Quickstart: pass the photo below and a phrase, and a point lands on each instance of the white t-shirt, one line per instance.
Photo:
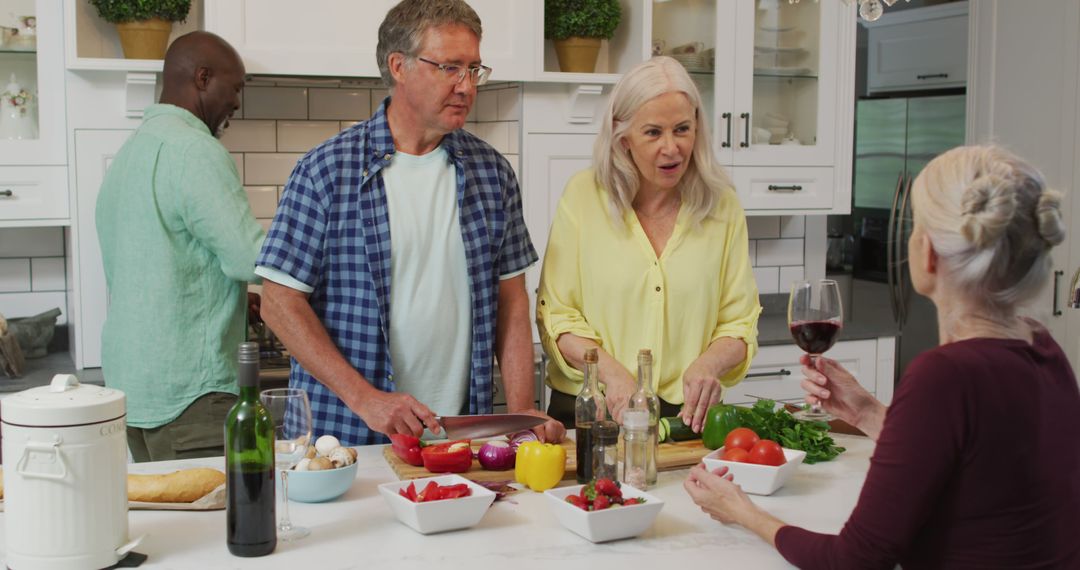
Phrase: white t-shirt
(430, 313)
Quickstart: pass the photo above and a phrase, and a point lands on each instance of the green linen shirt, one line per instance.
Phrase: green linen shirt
(178, 242)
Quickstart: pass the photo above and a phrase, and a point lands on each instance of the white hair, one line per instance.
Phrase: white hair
(992, 222)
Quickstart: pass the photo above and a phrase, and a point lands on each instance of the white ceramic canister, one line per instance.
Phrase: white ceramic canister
(65, 476)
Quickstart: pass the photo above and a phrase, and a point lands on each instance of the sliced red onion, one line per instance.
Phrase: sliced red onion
(521, 437)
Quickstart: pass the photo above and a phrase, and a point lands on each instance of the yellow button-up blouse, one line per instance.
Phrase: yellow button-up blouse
(605, 283)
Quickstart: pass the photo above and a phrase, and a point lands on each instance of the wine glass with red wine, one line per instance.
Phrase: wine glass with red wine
(815, 318)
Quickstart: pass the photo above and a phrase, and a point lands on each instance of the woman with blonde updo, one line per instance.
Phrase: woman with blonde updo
(977, 463)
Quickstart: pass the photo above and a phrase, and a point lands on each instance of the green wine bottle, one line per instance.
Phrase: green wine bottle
(249, 465)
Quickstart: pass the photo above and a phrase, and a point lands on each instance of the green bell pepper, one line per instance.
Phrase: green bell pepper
(719, 420)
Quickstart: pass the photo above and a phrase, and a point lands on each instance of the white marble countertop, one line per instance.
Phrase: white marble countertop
(358, 530)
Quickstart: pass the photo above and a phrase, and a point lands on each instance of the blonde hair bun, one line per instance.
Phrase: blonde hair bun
(1048, 217)
(988, 207)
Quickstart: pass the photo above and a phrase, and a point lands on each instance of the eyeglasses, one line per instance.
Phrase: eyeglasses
(456, 73)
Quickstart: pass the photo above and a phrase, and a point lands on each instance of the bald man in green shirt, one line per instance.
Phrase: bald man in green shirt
(178, 241)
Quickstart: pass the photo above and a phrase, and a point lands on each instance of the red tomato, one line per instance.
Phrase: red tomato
(736, 454)
(767, 452)
(743, 438)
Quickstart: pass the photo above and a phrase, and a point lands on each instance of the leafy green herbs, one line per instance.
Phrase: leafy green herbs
(779, 425)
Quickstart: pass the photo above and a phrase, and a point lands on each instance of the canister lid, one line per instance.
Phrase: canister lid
(64, 402)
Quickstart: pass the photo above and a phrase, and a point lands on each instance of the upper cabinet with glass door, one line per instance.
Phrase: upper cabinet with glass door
(787, 77)
(31, 83)
(777, 80)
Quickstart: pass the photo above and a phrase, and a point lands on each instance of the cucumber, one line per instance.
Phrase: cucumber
(664, 428)
(678, 431)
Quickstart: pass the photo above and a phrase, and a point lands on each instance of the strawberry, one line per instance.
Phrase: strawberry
(600, 503)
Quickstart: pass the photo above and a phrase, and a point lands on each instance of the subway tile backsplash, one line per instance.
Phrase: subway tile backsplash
(32, 274)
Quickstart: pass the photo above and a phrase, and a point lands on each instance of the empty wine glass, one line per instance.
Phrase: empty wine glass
(291, 412)
(815, 318)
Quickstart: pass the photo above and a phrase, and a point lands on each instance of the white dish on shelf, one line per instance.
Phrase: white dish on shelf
(785, 71)
(783, 50)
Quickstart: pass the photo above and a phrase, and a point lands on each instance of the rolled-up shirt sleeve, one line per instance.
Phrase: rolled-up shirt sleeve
(293, 247)
(559, 304)
(739, 306)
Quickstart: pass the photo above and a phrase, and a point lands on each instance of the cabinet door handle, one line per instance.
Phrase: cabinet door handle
(933, 76)
(1057, 278)
(7, 193)
(781, 372)
(746, 125)
(727, 141)
(784, 188)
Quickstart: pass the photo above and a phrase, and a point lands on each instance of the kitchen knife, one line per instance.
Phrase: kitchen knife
(486, 425)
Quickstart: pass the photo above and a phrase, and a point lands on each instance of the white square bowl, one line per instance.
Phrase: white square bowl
(609, 524)
(757, 479)
(442, 515)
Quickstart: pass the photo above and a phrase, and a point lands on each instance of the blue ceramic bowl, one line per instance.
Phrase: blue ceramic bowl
(320, 486)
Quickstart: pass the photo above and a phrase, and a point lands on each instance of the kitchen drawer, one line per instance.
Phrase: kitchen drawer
(776, 373)
(780, 188)
(31, 193)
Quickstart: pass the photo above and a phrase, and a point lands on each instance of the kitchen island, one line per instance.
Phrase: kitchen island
(358, 530)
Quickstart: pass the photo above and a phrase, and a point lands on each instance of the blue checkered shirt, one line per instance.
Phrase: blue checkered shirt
(332, 232)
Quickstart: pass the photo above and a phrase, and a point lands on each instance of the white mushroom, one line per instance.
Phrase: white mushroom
(341, 457)
(319, 464)
(303, 465)
(325, 444)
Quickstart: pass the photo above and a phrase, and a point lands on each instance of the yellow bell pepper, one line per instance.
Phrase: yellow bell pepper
(540, 466)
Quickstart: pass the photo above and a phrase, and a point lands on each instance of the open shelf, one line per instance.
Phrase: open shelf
(93, 44)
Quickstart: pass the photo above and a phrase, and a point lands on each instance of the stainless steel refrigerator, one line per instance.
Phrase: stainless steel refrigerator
(894, 140)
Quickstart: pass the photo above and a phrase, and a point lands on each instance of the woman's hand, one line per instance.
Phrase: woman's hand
(701, 389)
(617, 392)
(720, 498)
(717, 495)
(829, 384)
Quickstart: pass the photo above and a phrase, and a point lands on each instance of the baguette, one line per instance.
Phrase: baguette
(183, 486)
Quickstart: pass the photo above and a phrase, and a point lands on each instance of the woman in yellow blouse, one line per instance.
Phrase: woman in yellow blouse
(649, 250)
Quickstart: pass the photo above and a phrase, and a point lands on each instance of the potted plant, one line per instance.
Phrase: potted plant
(143, 25)
(576, 27)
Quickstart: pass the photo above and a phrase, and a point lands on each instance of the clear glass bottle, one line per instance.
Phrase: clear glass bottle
(605, 450)
(645, 400)
(589, 408)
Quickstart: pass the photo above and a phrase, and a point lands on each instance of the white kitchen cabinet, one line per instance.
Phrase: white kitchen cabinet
(34, 196)
(918, 49)
(338, 38)
(32, 133)
(550, 161)
(94, 151)
(777, 375)
(768, 72)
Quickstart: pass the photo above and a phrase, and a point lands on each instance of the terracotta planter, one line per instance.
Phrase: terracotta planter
(577, 55)
(145, 40)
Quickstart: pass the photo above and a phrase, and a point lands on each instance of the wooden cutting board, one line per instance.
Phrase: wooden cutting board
(678, 455)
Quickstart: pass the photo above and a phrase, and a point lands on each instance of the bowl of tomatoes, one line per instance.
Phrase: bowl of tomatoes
(604, 510)
(437, 504)
(759, 466)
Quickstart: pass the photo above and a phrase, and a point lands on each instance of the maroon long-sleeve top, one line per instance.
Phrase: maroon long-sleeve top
(977, 466)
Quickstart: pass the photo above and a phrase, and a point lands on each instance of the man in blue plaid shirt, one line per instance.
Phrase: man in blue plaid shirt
(394, 268)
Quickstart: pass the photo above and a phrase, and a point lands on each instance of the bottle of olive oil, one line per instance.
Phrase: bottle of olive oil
(249, 465)
(589, 408)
